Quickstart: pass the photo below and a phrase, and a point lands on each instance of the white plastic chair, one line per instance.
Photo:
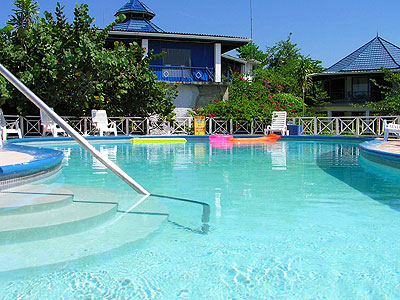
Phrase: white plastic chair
(6, 128)
(49, 125)
(389, 128)
(100, 121)
(278, 123)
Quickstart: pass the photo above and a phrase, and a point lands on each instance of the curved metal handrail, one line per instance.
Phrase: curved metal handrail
(74, 134)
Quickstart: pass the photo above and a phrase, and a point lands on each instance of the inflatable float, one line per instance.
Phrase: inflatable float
(220, 141)
(158, 140)
(269, 138)
(220, 137)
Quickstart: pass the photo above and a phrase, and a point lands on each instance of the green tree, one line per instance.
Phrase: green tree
(305, 68)
(24, 14)
(251, 51)
(390, 105)
(70, 67)
(284, 63)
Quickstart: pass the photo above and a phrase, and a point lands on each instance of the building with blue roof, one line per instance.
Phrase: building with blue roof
(196, 61)
(349, 82)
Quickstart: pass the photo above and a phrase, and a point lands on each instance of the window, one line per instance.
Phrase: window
(360, 88)
(337, 89)
(177, 57)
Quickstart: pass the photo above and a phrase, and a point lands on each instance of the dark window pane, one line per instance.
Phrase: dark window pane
(177, 57)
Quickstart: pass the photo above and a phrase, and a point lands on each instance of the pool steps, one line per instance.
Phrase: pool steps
(33, 200)
(53, 227)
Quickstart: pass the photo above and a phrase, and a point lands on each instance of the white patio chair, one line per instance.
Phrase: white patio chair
(100, 121)
(6, 128)
(49, 126)
(278, 123)
(389, 128)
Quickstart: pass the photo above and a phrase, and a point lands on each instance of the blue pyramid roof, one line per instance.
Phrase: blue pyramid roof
(138, 18)
(136, 6)
(142, 25)
(375, 55)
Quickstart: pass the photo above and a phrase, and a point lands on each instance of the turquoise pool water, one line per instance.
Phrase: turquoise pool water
(289, 220)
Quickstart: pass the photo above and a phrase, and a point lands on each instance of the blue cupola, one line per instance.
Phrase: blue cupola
(138, 18)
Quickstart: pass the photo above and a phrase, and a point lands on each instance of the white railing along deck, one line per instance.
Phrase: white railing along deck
(335, 126)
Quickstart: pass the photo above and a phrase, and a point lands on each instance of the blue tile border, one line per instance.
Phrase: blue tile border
(44, 161)
(369, 151)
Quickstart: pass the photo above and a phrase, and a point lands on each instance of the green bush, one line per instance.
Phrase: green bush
(252, 99)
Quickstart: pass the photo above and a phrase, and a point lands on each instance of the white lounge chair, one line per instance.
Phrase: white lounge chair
(49, 126)
(278, 123)
(100, 121)
(389, 128)
(6, 128)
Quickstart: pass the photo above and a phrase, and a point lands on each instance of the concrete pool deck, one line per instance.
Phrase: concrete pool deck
(392, 147)
(8, 158)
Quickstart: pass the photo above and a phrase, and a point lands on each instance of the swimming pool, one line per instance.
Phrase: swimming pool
(289, 220)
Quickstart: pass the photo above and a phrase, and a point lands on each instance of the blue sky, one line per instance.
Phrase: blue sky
(325, 30)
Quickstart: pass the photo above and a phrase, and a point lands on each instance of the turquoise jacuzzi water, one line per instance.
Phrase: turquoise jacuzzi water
(289, 220)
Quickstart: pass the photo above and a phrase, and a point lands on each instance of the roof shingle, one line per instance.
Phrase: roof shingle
(375, 55)
(135, 6)
(142, 25)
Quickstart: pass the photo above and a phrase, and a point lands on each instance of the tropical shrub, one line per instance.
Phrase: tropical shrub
(390, 105)
(70, 66)
(252, 99)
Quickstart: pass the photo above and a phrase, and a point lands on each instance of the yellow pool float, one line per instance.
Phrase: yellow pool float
(158, 140)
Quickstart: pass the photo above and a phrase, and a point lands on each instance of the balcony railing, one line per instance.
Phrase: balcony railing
(354, 98)
(189, 74)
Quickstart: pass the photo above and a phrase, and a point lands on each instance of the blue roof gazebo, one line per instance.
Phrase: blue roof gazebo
(138, 18)
(373, 56)
(349, 80)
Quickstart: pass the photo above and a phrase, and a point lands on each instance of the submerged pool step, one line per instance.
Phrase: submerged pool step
(92, 244)
(47, 224)
(25, 201)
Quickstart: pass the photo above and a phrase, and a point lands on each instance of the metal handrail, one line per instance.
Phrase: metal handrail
(74, 134)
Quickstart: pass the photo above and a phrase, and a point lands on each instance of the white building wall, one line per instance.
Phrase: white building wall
(186, 99)
(145, 46)
(217, 62)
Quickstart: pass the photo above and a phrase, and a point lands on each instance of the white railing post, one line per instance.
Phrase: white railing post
(315, 126)
(337, 125)
(21, 125)
(85, 126)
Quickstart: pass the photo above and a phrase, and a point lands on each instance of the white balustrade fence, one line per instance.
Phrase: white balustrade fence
(336, 126)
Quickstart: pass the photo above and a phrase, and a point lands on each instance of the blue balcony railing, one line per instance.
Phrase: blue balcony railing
(174, 73)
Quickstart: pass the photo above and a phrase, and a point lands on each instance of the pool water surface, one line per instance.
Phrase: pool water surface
(289, 220)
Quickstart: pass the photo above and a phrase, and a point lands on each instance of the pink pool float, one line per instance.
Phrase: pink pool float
(220, 141)
(220, 137)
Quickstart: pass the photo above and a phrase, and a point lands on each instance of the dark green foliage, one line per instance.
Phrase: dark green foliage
(69, 67)
(284, 63)
(251, 51)
(24, 14)
(390, 106)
